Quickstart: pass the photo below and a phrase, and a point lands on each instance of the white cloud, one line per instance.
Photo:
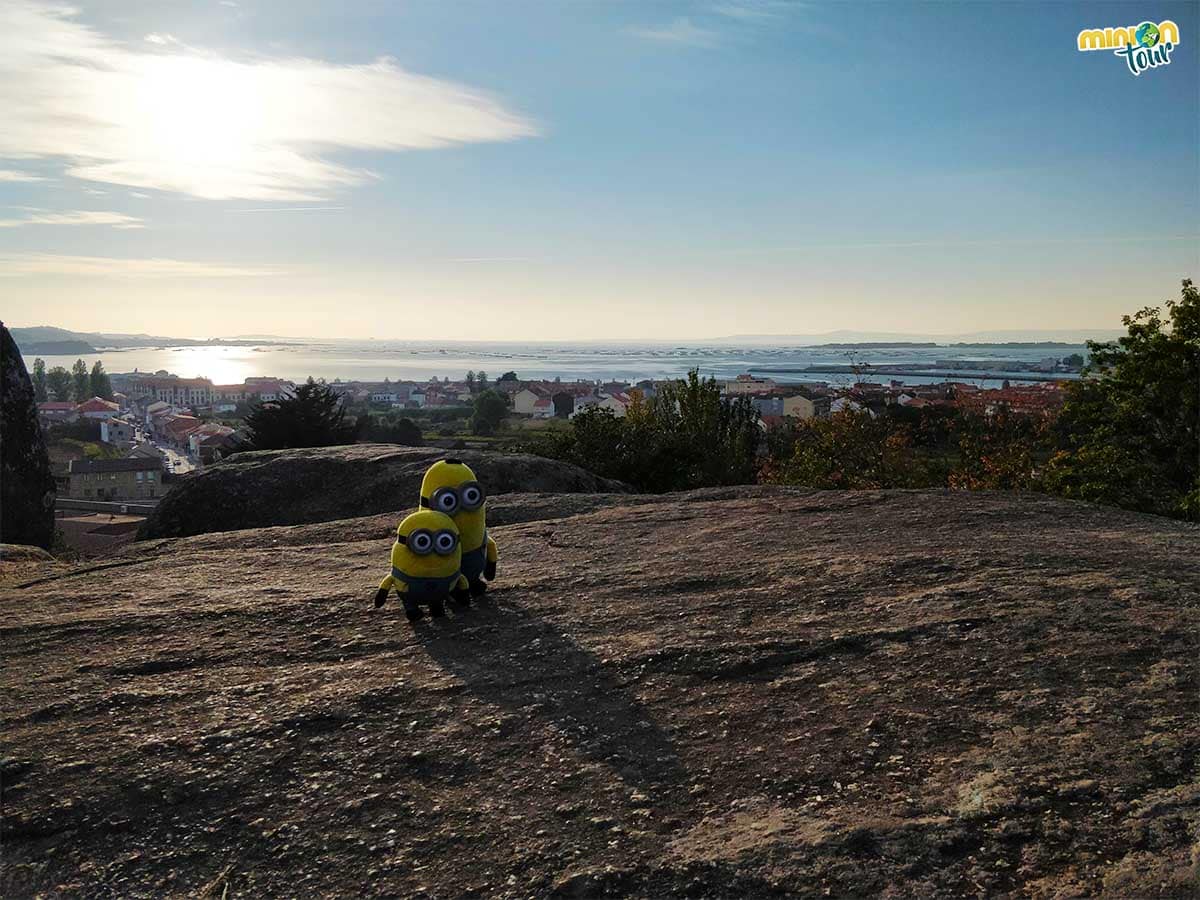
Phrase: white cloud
(175, 119)
(12, 265)
(161, 39)
(754, 10)
(74, 217)
(14, 175)
(682, 32)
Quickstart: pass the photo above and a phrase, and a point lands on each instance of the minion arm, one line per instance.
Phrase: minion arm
(489, 569)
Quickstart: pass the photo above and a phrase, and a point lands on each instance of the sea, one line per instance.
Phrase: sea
(422, 360)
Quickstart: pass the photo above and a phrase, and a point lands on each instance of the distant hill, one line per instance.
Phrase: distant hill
(54, 348)
(40, 338)
(1062, 336)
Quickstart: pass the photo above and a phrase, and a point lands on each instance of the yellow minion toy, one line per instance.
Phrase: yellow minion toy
(425, 564)
(450, 488)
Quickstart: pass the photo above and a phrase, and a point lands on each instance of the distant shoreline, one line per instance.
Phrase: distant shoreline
(917, 371)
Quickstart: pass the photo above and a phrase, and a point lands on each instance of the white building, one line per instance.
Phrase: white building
(118, 432)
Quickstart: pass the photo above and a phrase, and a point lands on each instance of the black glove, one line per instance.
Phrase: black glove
(489, 570)
(380, 597)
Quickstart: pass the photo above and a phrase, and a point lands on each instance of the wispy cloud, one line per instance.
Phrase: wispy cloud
(175, 119)
(270, 209)
(73, 217)
(15, 175)
(161, 39)
(682, 32)
(14, 265)
(754, 10)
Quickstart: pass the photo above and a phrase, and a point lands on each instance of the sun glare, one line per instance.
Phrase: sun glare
(200, 117)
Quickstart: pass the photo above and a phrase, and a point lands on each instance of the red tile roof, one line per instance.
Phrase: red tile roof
(96, 405)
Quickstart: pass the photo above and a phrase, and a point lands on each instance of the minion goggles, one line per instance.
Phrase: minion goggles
(422, 542)
(449, 500)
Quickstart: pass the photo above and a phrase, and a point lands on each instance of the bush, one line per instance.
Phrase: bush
(386, 430)
(490, 410)
(1129, 433)
(850, 449)
(687, 437)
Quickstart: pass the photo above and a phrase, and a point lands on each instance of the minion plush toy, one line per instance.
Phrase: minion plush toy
(425, 564)
(450, 488)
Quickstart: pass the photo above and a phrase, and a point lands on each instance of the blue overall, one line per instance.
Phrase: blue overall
(474, 561)
(425, 588)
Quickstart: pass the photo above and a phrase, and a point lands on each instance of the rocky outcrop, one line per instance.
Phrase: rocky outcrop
(770, 693)
(27, 488)
(288, 487)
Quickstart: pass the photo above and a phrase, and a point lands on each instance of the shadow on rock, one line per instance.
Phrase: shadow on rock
(521, 662)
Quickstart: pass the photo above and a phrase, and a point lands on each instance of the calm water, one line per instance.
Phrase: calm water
(376, 360)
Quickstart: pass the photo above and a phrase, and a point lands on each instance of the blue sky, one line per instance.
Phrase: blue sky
(541, 170)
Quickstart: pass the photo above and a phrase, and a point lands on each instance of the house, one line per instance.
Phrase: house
(770, 405)
(172, 390)
(212, 446)
(177, 428)
(114, 479)
(844, 404)
(388, 397)
(799, 406)
(748, 384)
(524, 401)
(96, 408)
(55, 411)
(615, 403)
(120, 432)
(266, 390)
(199, 436)
(157, 408)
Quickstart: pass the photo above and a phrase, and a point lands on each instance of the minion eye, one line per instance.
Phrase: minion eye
(420, 542)
(447, 501)
(444, 542)
(472, 496)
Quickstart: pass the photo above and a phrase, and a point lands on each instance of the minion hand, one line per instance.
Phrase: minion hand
(380, 597)
(489, 570)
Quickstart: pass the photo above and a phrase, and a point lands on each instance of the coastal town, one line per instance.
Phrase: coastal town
(121, 455)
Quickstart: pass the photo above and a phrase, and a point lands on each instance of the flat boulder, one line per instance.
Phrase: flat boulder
(293, 487)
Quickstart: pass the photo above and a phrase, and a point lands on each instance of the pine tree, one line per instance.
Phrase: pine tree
(58, 384)
(81, 383)
(312, 417)
(99, 382)
(39, 380)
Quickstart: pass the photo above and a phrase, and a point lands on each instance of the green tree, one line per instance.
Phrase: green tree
(81, 383)
(58, 384)
(490, 410)
(39, 381)
(312, 417)
(1129, 432)
(99, 383)
(390, 431)
(851, 449)
(471, 381)
(688, 436)
(508, 376)
(481, 381)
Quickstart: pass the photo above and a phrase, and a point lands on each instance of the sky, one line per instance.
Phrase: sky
(424, 169)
